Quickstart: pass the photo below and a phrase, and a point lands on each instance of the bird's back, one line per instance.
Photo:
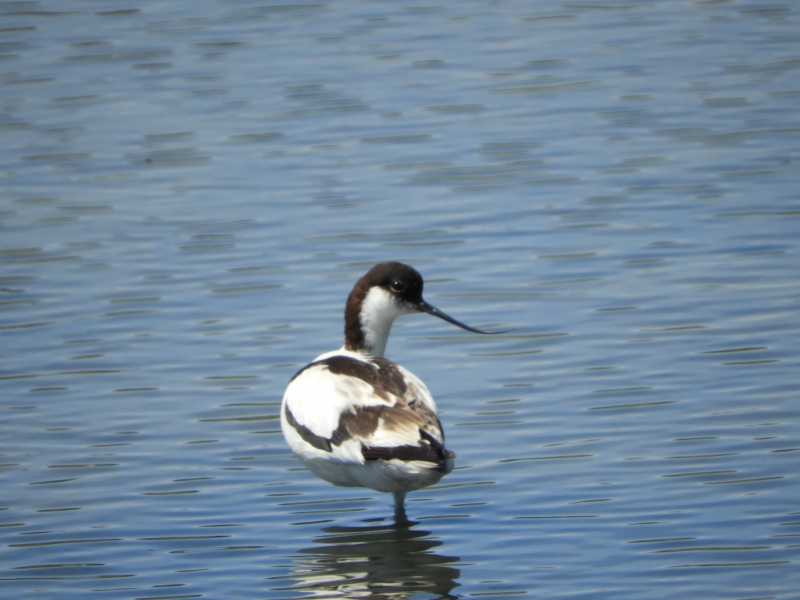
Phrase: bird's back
(361, 420)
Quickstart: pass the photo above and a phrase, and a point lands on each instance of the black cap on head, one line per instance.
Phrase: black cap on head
(402, 281)
(405, 283)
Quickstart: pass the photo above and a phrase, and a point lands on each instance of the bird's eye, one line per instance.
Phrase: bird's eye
(396, 286)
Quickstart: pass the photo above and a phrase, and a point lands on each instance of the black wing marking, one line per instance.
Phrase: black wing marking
(309, 436)
(433, 451)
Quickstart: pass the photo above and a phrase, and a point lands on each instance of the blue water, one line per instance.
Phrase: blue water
(189, 191)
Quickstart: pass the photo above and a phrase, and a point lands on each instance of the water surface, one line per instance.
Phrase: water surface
(190, 191)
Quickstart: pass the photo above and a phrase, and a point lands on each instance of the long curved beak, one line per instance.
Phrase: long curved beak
(432, 310)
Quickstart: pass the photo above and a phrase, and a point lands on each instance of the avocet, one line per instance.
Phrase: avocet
(355, 418)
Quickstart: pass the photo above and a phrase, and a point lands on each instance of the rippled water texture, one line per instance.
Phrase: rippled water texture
(190, 189)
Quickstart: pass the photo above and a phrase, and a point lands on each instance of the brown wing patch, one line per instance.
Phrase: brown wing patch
(363, 422)
(381, 373)
(429, 419)
(428, 447)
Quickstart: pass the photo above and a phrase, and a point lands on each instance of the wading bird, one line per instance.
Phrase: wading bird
(354, 418)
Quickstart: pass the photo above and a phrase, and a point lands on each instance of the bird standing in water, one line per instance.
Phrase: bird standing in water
(354, 418)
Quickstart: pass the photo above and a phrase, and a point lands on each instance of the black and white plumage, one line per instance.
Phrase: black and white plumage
(354, 418)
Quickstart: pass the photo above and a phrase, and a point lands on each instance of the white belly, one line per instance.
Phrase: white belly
(379, 475)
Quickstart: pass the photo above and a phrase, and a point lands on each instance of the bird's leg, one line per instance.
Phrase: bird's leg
(399, 508)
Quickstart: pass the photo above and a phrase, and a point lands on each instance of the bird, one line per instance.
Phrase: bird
(355, 418)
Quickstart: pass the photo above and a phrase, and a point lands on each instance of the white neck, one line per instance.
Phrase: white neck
(378, 311)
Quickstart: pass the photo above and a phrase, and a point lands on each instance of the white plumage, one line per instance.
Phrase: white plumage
(354, 418)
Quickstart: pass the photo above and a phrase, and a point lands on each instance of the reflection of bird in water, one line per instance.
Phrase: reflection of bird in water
(381, 563)
(355, 418)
